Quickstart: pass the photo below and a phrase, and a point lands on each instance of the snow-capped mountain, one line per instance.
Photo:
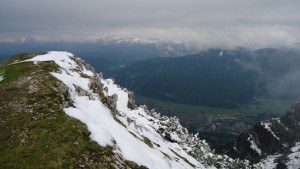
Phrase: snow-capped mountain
(272, 143)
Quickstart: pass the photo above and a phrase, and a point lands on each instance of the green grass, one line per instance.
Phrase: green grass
(266, 106)
(15, 70)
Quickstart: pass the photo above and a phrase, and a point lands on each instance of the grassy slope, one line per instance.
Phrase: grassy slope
(35, 132)
(267, 106)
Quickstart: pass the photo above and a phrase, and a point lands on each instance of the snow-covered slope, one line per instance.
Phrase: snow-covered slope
(135, 133)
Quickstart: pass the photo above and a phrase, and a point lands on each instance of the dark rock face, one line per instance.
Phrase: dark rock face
(267, 137)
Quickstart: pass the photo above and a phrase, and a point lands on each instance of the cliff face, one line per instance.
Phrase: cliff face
(274, 142)
(56, 111)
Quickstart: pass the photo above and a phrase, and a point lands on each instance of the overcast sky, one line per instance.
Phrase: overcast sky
(196, 23)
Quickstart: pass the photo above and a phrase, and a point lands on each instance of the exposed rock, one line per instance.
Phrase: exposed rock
(131, 101)
(95, 83)
(105, 89)
(80, 91)
(81, 65)
(33, 87)
(62, 87)
(112, 101)
(64, 91)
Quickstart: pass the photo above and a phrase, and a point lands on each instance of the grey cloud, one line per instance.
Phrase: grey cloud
(197, 23)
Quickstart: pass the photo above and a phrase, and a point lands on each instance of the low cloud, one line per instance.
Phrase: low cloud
(286, 86)
(195, 23)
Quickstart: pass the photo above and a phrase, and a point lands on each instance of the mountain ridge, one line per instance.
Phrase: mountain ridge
(108, 111)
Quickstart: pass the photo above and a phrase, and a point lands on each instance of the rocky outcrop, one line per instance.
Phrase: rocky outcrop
(82, 65)
(131, 101)
(112, 102)
(64, 94)
(275, 136)
(95, 83)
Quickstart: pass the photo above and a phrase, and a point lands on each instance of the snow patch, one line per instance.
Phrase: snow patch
(253, 144)
(296, 147)
(294, 158)
(1, 78)
(293, 161)
(221, 53)
(63, 59)
(267, 126)
(269, 162)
